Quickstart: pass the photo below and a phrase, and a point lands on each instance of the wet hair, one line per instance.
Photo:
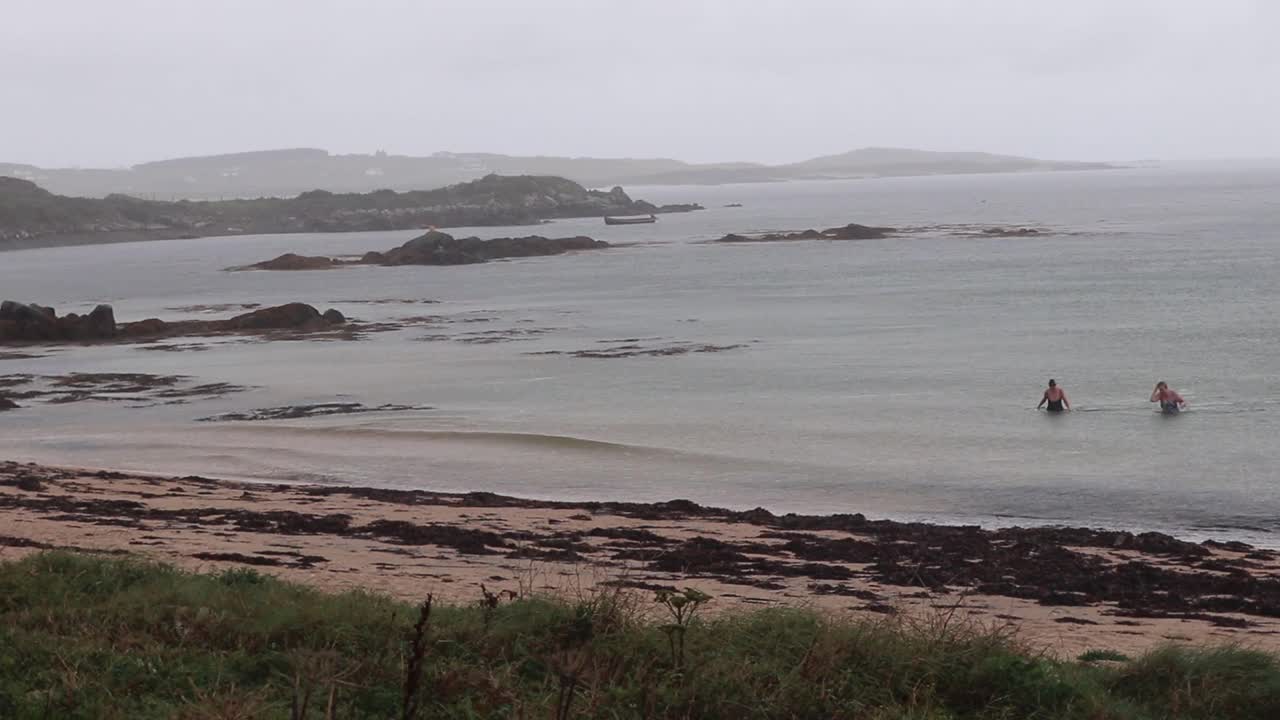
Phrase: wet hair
(1162, 384)
(1052, 382)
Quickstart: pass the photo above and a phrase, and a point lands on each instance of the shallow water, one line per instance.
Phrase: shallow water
(892, 377)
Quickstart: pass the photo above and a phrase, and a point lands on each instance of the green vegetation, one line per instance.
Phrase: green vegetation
(1103, 656)
(87, 637)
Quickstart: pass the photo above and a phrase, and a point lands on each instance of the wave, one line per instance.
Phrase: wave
(488, 437)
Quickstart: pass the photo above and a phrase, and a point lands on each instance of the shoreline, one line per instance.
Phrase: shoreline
(1064, 589)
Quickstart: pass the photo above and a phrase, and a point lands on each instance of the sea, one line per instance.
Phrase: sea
(897, 378)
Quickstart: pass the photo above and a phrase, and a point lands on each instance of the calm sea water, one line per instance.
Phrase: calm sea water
(893, 377)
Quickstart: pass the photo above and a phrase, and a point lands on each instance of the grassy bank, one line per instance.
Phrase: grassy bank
(87, 637)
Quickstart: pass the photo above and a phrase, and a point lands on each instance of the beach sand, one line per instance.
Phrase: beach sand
(1061, 590)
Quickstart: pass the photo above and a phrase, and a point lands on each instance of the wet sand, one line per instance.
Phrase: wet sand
(1063, 590)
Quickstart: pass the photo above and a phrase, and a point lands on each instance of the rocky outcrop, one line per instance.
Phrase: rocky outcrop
(101, 322)
(294, 261)
(30, 323)
(437, 248)
(31, 216)
(677, 208)
(852, 231)
(1011, 232)
(292, 315)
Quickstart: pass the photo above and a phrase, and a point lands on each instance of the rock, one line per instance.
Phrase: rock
(101, 322)
(70, 327)
(31, 323)
(1011, 232)
(145, 328)
(852, 231)
(36, 323)
(7, 404)
(294, 261)
(433, 248)
(292, 315)
(437, 248)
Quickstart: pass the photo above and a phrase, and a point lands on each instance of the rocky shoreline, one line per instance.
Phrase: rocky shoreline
(1069, 588)
(35, 217)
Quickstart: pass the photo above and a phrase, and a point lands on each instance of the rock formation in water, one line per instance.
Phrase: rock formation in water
(437, 248)
(1011, 232)
(31, 216)
(294, 261)
(20, 321)
(31, 323)
(852, 231)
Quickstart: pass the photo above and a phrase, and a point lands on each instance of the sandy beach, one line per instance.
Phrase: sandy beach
(1062, 590)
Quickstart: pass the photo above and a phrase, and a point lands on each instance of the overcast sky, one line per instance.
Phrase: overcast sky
(116, 82)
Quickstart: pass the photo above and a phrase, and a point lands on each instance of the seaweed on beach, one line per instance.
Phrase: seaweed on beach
(293, 412)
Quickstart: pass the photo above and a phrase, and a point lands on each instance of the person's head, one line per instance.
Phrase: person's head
(1162, 385)
(1053, 383)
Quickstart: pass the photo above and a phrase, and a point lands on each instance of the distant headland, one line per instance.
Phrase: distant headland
(31, 216)
(285, 173)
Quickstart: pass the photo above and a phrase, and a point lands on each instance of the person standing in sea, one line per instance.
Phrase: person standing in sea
(1055, 398)
(1170, 401)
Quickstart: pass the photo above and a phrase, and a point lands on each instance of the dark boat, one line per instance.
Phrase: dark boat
(630, 220)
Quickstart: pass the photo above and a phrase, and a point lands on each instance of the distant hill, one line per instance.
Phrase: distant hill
(289, 172)
(31, 216)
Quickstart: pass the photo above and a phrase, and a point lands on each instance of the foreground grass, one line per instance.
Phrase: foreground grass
(86, 637)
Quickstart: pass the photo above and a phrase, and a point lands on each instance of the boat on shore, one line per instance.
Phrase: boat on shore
(630, 219)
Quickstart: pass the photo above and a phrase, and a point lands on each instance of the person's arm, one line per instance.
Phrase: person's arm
(1178, 399)
(1155, 395)
(1044, 399)
(1065, 402)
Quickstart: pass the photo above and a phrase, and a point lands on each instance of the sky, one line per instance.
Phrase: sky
(92, 83)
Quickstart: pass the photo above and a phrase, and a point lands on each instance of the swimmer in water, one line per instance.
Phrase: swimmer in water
(1170, 401)
(1055, 398)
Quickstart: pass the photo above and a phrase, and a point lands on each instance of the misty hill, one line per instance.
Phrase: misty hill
(32, 216)
(289, 172)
